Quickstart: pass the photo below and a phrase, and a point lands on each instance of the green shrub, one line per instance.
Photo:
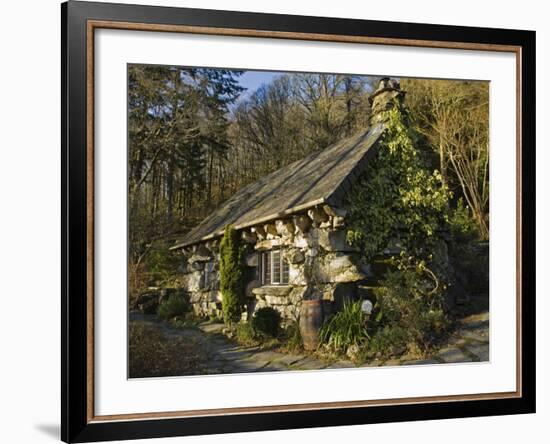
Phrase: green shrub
(214, 319)
(293, 337)
(462, 224)
(174, 306)
(161, 263)
(409, 309)
(148, 303)
(188, 320)
(231, 275)
(244, 333)
(150, 265)
(345, 328)
(266, 322)
(388, 342)
(471, 264)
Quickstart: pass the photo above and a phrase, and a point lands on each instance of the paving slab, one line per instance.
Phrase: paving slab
(475, 325)
(212, 327)
(421, 362)
(483, 316)
(453, 355)
(375, 363)
(290, 359)
(342, 364)
(234, 354)
(457, 342)
(246, 366)
(213, 371)
(274, 367)
(475, 335)
(481, 351)
(268, 355)
(309, 363)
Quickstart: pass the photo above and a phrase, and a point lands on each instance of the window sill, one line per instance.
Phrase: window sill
(273, 290)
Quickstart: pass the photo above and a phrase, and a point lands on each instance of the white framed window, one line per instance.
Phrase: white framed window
(273, 268)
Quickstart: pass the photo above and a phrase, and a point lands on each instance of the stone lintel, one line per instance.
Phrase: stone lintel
(267, 244)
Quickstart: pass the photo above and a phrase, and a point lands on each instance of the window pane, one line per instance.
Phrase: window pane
(208, 266)
(284, 277)
(276, 267)
(267, 268)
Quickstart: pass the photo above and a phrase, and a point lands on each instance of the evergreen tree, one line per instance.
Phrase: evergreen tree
(232, 275)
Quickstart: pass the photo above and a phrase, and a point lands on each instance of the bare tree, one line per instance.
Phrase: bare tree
(454, 118)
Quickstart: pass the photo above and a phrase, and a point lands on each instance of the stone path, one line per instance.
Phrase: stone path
(226, 356)
(468, 343)
(229, 357)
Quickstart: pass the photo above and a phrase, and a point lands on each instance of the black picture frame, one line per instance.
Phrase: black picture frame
(76, 423)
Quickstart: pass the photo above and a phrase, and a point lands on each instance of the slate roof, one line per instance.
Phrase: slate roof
(322, 177)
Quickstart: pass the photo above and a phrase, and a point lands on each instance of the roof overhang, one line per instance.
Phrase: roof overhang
(262, 220)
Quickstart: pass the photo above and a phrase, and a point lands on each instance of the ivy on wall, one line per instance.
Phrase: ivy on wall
(397, 197)
(399, 202)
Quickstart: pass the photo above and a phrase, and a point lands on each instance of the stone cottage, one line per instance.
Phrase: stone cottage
(293, 223)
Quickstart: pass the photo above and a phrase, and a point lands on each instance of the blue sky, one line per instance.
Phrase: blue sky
(252, 80)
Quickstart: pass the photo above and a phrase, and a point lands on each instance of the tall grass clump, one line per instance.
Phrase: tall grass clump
(293, 337)
(346, 328)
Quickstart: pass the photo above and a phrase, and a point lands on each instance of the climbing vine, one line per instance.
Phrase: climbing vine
(398, 202)
(397, 198)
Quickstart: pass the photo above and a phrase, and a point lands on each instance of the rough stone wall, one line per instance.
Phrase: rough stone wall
(321, 265)
(200, 278)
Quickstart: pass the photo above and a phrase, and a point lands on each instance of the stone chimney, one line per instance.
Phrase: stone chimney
(385, 97)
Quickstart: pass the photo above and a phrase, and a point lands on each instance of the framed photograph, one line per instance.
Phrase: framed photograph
(275, 221)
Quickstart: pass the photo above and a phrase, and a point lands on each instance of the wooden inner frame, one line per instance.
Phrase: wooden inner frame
(92, 25)
(266, 262)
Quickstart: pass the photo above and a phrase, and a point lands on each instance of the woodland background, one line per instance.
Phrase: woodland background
(196, 136)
